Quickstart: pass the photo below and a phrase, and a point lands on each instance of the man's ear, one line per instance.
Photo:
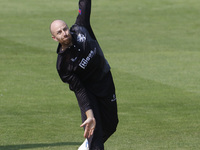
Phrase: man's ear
(54, 38)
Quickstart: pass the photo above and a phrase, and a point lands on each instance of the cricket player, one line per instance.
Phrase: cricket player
(82, 65)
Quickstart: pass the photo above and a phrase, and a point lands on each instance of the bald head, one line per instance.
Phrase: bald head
(60, 33)
(55, 25)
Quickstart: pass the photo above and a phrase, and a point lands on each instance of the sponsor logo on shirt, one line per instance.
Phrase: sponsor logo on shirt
(84, 62)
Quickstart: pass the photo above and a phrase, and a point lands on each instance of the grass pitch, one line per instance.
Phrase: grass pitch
(153, 49)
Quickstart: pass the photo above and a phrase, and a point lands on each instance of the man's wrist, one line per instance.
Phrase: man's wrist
(89, 113)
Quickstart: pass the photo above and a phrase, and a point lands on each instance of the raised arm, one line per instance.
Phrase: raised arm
(83, 17)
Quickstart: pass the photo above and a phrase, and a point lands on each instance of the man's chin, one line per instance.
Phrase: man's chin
(67, 42)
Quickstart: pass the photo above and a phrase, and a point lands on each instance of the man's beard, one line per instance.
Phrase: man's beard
(67, 41)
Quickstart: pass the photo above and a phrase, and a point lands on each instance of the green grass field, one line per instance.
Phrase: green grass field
(153, 49)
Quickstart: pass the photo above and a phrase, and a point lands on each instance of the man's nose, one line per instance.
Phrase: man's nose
(64, 33)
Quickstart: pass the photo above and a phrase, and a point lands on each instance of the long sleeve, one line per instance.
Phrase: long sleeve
(83, 18)
(74, 85)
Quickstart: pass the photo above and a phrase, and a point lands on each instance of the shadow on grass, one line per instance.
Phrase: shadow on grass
(40, 145)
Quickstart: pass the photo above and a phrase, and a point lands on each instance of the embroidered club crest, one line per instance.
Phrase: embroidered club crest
(81, 38)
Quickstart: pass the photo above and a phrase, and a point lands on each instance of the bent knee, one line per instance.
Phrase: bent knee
(113, 126)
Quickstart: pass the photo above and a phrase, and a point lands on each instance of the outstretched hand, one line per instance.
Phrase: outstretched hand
(89, 123)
